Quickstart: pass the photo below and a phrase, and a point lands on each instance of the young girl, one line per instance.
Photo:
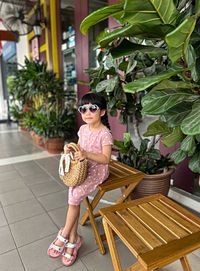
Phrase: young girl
(95, 141)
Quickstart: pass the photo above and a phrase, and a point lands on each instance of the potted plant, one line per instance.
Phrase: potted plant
(149, 160)
(52, 114)
(157, 53)
(56, 129)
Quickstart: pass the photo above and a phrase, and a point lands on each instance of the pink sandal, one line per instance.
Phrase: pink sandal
(68, 259)
(55, 251)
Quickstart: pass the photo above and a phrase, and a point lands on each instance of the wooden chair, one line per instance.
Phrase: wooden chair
(155, 229)
(121, 176)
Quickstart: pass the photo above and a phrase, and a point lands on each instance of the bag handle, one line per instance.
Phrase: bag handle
(73, 146)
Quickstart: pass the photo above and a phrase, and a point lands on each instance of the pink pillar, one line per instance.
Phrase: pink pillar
(116, 128)
(82, 49)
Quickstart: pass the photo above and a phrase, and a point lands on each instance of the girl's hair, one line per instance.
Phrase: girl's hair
(95, 98)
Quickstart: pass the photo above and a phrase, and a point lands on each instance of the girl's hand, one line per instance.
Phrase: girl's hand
(80, 155)
(66, 149)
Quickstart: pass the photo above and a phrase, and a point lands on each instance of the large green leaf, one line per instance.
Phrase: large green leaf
(191, 124)
(168, 84)
(99, 15)
(143, 83)
(158, 127)
(191, 62)
(188, 144)
(175, 115)
(178, 156)
(178, 39)
(126, 139)
(197, 6)
(107, 85)
(127, 48)
(194, 163)
(158, 102)
(175, 137)
(150, 11)
(143, 31)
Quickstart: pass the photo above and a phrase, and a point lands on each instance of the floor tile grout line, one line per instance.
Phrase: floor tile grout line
(17, 221)
(14, 241)
(45, 170)
(45, 211)
(44, 237)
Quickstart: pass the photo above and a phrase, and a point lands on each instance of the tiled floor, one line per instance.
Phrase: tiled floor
(33, 205)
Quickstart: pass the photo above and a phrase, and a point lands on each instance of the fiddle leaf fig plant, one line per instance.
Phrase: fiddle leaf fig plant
(151, 66)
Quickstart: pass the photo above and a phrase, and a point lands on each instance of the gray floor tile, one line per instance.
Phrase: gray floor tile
(59, 216)
(32, 229)
(6, 168)
(16, 152)
(98, 262)
(50, 164)
(10, 185)
(77, 266)
(9, 175)
(22, 210)
(3, 221)
(194, 262)
(35, 258)
(42, 177)
(10, 261)
(16, 196)
(28, 168)
(197, 252)
(55, 200)
(6, 240)
(45, 188)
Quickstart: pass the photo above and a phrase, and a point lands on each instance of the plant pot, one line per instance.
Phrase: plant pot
(39, 140)
(153, 184)
(55, 145)
(196, 185)
(22, 128)
(32, 133)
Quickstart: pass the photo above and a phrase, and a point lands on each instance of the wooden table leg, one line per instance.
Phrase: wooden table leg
(185, 264)
(93, 204)
(95, 228)
(112, 247)
(126, 193)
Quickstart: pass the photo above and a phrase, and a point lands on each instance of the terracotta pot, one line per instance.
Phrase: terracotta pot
(153, 184)
(22, 128)
(55, 145)
(32, 133)
(40, 140)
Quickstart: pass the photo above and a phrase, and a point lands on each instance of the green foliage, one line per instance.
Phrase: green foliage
(154, 56)
(145, 159)
(51, 113)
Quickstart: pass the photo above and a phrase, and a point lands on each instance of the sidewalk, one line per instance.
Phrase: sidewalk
(33, 205)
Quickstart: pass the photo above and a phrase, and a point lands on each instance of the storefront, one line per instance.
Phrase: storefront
(8, 67)
(67, 51)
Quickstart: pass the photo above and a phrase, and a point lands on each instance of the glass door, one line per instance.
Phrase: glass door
(68, 48)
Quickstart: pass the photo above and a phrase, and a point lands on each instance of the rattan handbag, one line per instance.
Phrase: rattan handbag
(72, 172)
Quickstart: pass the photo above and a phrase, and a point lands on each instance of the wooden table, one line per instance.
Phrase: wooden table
(155, 229)
(121, 176)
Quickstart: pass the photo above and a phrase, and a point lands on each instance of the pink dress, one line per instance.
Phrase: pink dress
(91, 141)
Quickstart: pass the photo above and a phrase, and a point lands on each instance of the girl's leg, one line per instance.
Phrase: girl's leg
(73, 237)
(71, 219)
(71, 223)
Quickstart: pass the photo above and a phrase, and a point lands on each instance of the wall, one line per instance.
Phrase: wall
(22, 49)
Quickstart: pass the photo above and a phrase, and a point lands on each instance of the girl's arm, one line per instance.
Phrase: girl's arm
(103, 158)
